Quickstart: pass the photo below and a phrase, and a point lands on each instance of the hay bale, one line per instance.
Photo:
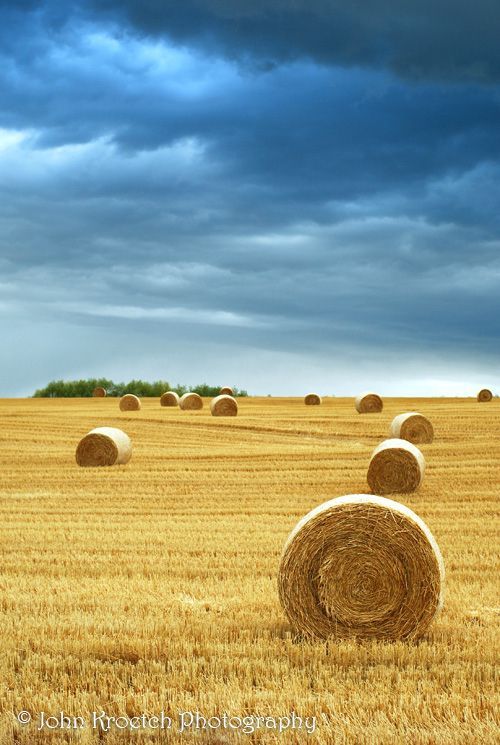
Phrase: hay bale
(368, 403)
(99, 392)
(395, 466)
(361, 566)
(169, 398)
(413, 427)
(104, 446)
(226, 391)
(191, 402)
(484, 395)
(312, 399)
(224, 405)
(129, 402)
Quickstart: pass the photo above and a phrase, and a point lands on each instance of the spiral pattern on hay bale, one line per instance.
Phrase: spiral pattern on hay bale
(226, 391)
(361, 566)
(368, 403)
(129, 402)
(191, 402)
(99, 392)
(484, 395)
(169, 398)
(312, 399)
(396, 466)
(104, 446)
(224, 405)
(413, 427)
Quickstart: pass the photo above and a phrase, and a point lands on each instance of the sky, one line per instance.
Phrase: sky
(279, 195)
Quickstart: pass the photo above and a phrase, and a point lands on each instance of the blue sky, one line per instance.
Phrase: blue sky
(284, 196)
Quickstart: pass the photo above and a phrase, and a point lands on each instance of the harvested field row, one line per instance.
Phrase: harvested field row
(154, 585)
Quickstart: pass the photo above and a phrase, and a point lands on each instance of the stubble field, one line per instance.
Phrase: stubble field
(152, 586)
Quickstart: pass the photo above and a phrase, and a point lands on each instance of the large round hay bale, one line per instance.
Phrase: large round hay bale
(129, 402)
(224, 405)
(361, 566)
(104, 446)
(484, 395)
(191, 402)
(396, 466)
(169, 398)
(226, 391)
(99, 392)
(413, 427)
(368, 403)
(312, 399)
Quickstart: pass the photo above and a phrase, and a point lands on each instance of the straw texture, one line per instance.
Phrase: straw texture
(413, 427)
(224, 405)
(368, 403)
(484, 395)
(361, 566)
(129, 402)
(99, 392)
(169, 398)
(312, 399)
(190, 402)
(104, 446)
(396, 466)
(226, 390)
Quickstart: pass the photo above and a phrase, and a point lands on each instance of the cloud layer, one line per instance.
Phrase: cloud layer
(309, 190)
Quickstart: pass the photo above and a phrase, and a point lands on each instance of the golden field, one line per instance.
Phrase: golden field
(152, 586)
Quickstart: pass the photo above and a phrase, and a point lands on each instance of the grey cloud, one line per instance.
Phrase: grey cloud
(449, 39)
(445, 40)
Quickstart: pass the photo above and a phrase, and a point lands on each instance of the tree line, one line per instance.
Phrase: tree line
(85, 388)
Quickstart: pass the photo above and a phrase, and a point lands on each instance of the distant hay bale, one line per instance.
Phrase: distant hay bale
(368, 403)
(104, 446)
(484, 395)
(191, 402)
(361, 566)
(99, 392)
(312, 399)
(129, 402)
(413, 427)
(170, 398)
(226, 391)
(224, 405)
(395, 466)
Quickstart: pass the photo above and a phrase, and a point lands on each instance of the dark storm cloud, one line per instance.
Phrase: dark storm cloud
(446, 39)
(294, 139)
(441, 39)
